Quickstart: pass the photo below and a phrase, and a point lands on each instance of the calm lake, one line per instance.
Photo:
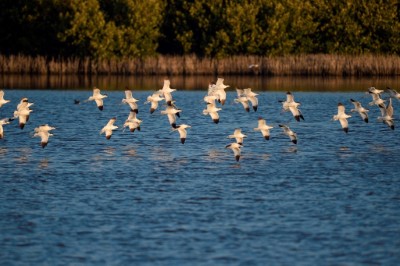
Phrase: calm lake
(143, 198)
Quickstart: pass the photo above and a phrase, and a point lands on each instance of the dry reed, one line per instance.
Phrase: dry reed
(296, 65)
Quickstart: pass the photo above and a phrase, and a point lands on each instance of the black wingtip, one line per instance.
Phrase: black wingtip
(294, 141)
(152, 110)
(266, 137)
(255, 108)
(366, 120)
(135, 111)
(101, 108)
(178, 115)
(297, 117)
(183, 140)
(108, 137)
(43, 144)
(237, 157)
(173, 125)
(302, 117)
(392, 127)
(346, 129)
(21, 125)
(132, 130)
(216, 121)
(247, 109)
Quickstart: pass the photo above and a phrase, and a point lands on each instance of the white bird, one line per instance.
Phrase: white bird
(2, 100)
(43, 132)
(108, 129)
(24, 103)
(342, 117)
(290, 133)
(264, 128)
(154, 99)
(212, 110)
(377, 100)
(235, 147)
(171, 111)
(288, 102)
(220, 84)
(393, 93)
(23, 112)
(98, 98)
(219, 90)
(3, 121)
(359, 109)
(292, 106)
(241, 98)
(166, 92)
(373, 90)
(238, 135)
(210, 98)
(44, 127)
(387, 114)
(130, 101)
(252, 97)
(44, 135)
(132, 122)
(182, 131)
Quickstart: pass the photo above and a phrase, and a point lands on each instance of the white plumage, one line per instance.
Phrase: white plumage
(290, 133)
(342, 117)
(3, 122)
(263, 128)
(43, 132)
(212, 110)
(132, 122)
(132, 102)
(153, 100)
(98, 98)
(238, 136)
(182, 132)
(171, 112)
(236, 148)
(361, 110)
(2, 100)
(387, 114)
(109, 127)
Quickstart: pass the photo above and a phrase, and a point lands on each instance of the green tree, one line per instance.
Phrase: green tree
(112, 29)
(136, 25)
(87, 30)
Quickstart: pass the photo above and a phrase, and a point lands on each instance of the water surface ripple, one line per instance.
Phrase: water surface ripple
(143, 198)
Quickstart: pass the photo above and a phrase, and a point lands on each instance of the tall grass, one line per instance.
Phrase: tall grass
(298, 65)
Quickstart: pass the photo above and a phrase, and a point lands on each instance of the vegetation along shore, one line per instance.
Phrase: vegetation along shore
(296, 65)
(297, 37)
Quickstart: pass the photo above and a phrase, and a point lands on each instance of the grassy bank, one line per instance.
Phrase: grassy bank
(296, 65)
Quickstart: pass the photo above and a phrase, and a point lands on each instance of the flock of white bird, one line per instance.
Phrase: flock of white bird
(215, 99)
(22, 113)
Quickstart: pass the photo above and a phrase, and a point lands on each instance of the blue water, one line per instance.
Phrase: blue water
(143, 198)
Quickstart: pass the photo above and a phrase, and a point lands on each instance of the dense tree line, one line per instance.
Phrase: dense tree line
(102, 29)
